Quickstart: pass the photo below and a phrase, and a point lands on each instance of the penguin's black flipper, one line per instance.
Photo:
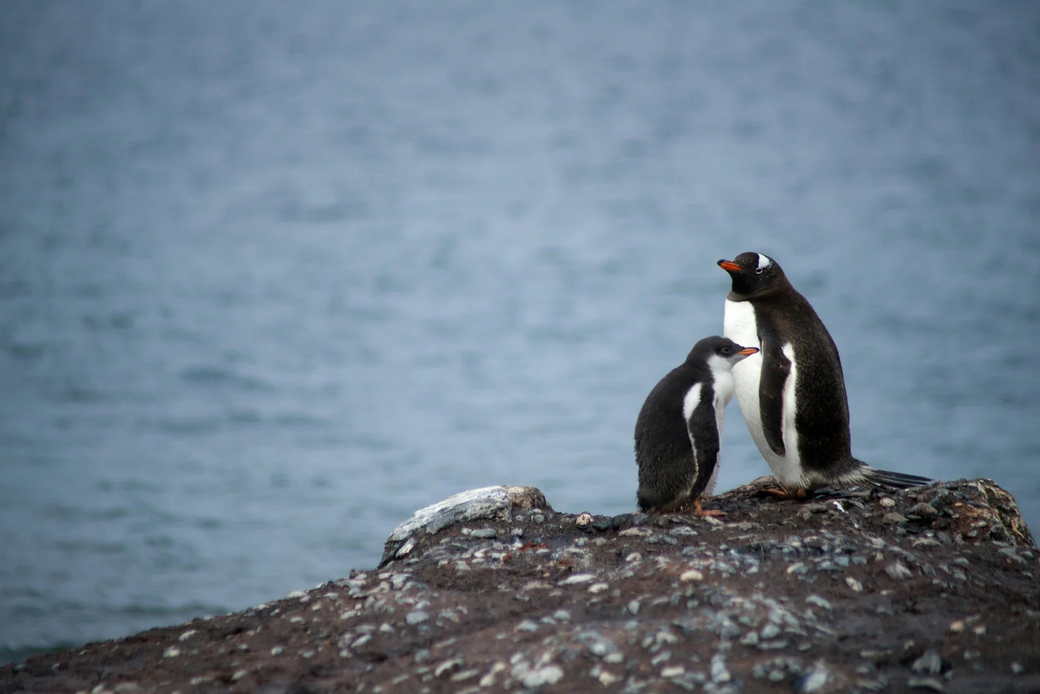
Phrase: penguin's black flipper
(776, 368)
(896, 480)
(704, 435)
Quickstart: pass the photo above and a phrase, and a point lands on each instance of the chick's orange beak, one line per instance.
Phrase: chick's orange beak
(729, 266)
(748, 351)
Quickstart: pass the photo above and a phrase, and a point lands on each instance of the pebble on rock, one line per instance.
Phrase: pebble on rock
(448, 667)
(416, 617)
(923, 510)
(818, 601)
(488, 680)
(929, 683)
(543, 676)
(898, 571)
(719, 673)
(928, 664)
(814, 681)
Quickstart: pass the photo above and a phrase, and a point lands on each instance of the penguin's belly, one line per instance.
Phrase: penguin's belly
(740, 326)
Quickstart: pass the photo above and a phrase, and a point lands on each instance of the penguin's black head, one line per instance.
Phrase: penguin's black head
(753, 274)
(715, 350)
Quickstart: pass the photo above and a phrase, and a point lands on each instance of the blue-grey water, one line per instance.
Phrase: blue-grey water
(273, 275)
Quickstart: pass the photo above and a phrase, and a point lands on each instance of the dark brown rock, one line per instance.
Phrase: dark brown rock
(781, 595)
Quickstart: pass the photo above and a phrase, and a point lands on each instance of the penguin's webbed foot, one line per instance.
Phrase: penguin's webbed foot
(701, 512)
(784, 493)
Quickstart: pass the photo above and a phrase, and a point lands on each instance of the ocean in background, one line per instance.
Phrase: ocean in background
(274, 275)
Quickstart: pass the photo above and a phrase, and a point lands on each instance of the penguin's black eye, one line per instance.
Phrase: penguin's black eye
(759, 270)
(727, 351)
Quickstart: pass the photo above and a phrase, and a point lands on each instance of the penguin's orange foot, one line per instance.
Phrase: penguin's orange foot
(701, 512)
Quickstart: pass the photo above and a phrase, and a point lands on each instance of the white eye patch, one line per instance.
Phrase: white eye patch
(763, 262)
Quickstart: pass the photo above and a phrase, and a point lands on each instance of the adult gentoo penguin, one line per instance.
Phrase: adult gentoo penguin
(792, 393)
(678, 428)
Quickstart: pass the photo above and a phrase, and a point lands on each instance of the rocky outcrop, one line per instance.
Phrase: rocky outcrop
(930, 589)
(486, 503)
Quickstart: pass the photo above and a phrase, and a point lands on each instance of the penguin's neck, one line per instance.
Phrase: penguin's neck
(722, 378)
(740, 323)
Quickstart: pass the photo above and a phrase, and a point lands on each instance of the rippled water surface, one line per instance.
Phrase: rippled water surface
(273, 276)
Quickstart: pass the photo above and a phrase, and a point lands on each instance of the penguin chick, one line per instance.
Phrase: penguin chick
(678, 429)
(792, 393)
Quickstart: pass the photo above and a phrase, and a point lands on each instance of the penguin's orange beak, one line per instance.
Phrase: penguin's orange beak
(748, 351)
(729, 266)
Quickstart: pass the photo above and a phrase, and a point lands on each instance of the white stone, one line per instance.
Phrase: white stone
(543, 676)
(719, 673)
(483, 503)
(635, 532)
(818, 601)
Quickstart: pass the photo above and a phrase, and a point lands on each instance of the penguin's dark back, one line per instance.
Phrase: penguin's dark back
(823, 409)
(660, 427)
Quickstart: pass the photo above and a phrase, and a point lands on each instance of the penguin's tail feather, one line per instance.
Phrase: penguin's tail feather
(895, 480)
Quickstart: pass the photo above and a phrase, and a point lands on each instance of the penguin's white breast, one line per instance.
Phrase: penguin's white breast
(740, 326)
